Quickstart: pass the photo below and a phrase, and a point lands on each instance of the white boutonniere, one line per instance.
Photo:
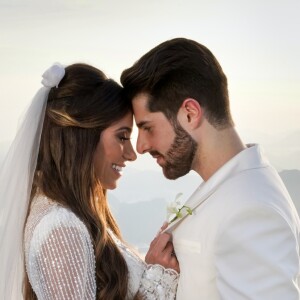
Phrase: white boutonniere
(175, 210)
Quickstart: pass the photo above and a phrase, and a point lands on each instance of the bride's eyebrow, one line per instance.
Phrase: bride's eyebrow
(125, 128)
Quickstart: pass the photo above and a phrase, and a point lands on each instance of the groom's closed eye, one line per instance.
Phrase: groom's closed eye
(144, 125)
(146, 128)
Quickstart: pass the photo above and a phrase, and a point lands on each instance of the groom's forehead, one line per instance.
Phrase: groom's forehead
(142, 115)
(140, 104)
(141, 98)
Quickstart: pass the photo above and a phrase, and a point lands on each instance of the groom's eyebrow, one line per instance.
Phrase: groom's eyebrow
(142, 124)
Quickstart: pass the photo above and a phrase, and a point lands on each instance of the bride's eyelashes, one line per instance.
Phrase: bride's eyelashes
(123, 137)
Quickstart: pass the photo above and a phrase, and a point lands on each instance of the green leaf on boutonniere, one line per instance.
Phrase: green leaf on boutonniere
(176, 211)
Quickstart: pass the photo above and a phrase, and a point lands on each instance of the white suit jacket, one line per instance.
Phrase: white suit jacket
(242, 242)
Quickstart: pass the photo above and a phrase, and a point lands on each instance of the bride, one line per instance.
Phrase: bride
(58, 235)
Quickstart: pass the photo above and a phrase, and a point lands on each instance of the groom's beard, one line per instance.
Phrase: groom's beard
(180, 156)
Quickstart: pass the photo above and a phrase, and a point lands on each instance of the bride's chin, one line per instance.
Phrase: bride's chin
(111, 186)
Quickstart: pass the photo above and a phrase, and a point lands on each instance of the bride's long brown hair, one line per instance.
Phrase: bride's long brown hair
(83, 105)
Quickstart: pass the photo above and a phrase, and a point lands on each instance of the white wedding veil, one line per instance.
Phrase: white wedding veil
(16, 176)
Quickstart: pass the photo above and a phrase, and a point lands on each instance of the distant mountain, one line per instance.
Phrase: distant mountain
(140, 221)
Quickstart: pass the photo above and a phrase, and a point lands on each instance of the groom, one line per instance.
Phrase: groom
(242, 239)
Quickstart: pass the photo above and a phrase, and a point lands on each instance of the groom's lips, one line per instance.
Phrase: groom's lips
(159, 158)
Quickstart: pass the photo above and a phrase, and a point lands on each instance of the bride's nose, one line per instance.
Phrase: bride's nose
(129, 153)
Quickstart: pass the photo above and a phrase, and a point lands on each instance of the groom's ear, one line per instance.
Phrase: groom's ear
(190, 114)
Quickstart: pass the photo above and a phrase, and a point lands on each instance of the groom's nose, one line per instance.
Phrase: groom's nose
(142, 144)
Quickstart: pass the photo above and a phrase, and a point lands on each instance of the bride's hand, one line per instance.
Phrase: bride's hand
(162, 228)
(161, 252)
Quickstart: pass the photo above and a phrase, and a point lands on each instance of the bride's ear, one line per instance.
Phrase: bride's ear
(190, 114)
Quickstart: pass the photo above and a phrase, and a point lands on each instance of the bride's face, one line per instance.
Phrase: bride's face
(113, 150)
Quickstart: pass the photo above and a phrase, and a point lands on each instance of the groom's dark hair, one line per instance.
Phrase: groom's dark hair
(178, 69)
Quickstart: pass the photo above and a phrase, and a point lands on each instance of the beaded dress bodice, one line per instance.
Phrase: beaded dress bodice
(60, 260)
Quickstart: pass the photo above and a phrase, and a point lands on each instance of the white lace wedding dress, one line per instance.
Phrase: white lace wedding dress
(60, 260)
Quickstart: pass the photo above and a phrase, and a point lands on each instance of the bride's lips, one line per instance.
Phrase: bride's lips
(117, 168)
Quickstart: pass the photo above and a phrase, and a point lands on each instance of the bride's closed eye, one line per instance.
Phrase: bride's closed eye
(124, 137)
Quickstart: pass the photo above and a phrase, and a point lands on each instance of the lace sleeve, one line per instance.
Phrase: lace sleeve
(61, 259)
(158, 283)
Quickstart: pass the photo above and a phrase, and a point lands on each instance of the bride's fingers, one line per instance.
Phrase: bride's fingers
(161, 252)
(174, 264)
(168, 257)
(171, 261)
(162, 228)
(156, 248)
(169, 249)
(162, 241)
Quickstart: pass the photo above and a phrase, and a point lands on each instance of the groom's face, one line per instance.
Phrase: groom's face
(171, 146)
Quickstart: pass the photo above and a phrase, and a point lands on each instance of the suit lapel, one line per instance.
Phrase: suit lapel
(201, 194)
(246, 159)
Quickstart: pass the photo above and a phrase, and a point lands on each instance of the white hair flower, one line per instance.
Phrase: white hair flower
(53, 75)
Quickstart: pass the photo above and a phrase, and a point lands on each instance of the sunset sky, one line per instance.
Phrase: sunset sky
(256, 42)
